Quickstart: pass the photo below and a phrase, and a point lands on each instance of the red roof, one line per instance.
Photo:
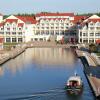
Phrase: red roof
(98, 41)
(53, 18)
(27, 19)
(94, 20)
(20, 24)
(79, 19)
(11, 20)
(1, 24)
(54, 14)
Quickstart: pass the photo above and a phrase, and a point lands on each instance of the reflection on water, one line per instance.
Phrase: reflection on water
(53, 56)
(39, 55)
(38, 70)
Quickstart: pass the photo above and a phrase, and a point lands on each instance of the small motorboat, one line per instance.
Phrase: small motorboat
(74, 84)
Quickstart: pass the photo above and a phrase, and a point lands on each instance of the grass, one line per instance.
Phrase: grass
(98, 54)
(8, 46)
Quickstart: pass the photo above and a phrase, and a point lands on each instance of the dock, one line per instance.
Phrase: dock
(5, 56)
(91, 70)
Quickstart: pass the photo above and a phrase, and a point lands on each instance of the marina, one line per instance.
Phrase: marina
(41, 73)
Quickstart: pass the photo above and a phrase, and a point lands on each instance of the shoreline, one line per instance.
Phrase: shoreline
(90, 64)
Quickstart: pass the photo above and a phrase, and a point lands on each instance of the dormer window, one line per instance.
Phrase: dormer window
(61, 21)
(14, 28)
(8, 28)
(19, 28)
(1, 28)
(7, 24)
(91, 24)
(67, 23)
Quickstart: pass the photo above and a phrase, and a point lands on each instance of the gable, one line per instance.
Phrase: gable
(12, 17)
(92, 17)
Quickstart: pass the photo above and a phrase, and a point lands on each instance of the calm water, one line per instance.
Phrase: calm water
(40, 74)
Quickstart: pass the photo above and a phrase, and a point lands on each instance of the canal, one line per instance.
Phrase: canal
(40, 74)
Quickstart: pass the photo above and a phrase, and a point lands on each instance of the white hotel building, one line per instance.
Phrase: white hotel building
(90, 30)
(52, 26)
(49, 27)
(42, 27)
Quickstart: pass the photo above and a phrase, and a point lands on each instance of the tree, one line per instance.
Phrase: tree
(92, 48)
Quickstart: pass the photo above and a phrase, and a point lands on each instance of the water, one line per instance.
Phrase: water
(40, 74)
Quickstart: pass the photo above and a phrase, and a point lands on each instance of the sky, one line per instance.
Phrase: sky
(35, 6)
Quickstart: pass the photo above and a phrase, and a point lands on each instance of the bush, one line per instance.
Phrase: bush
(92, 48)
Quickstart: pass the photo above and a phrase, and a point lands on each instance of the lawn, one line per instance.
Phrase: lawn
(98, 54)
(8, 46)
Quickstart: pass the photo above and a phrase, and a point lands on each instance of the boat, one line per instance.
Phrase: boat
(74, 85)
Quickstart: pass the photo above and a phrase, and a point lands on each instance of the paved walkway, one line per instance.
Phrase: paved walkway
(47, 44)
(95, 83)
(91, 61)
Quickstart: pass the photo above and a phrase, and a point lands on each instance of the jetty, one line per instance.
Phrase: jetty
(91, 70)
(7, 55)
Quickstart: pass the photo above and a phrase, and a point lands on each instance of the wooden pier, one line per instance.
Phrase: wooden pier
(93, 80)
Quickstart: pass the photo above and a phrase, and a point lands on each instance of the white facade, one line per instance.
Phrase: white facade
(90, 31)
(52, 26)
(14, 30)
(46, 27)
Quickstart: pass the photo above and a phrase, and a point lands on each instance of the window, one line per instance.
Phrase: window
(57, 33)
(91, 28)
(62, 27)
(8, 28)
(56, 27)
(20, 40)
(91, 24)
(13, 39)
(91, 34)
(36, 39)
(41, 39)
(8, 40)
(1, 32)
(19, 33)
(1, 28)
(42, 27)
(19, 28)
(42, 24)
(7, 24)
(84, 34)
(66, 27)
(8, 33)
(97, 34)
(14, 28)
(13, 33)
(67, 23)
(47, 32)
(80, 40)
(61, 21)
(52, 24)
(52, 27)
(98, 28)
(47, 27)
(85, 41)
